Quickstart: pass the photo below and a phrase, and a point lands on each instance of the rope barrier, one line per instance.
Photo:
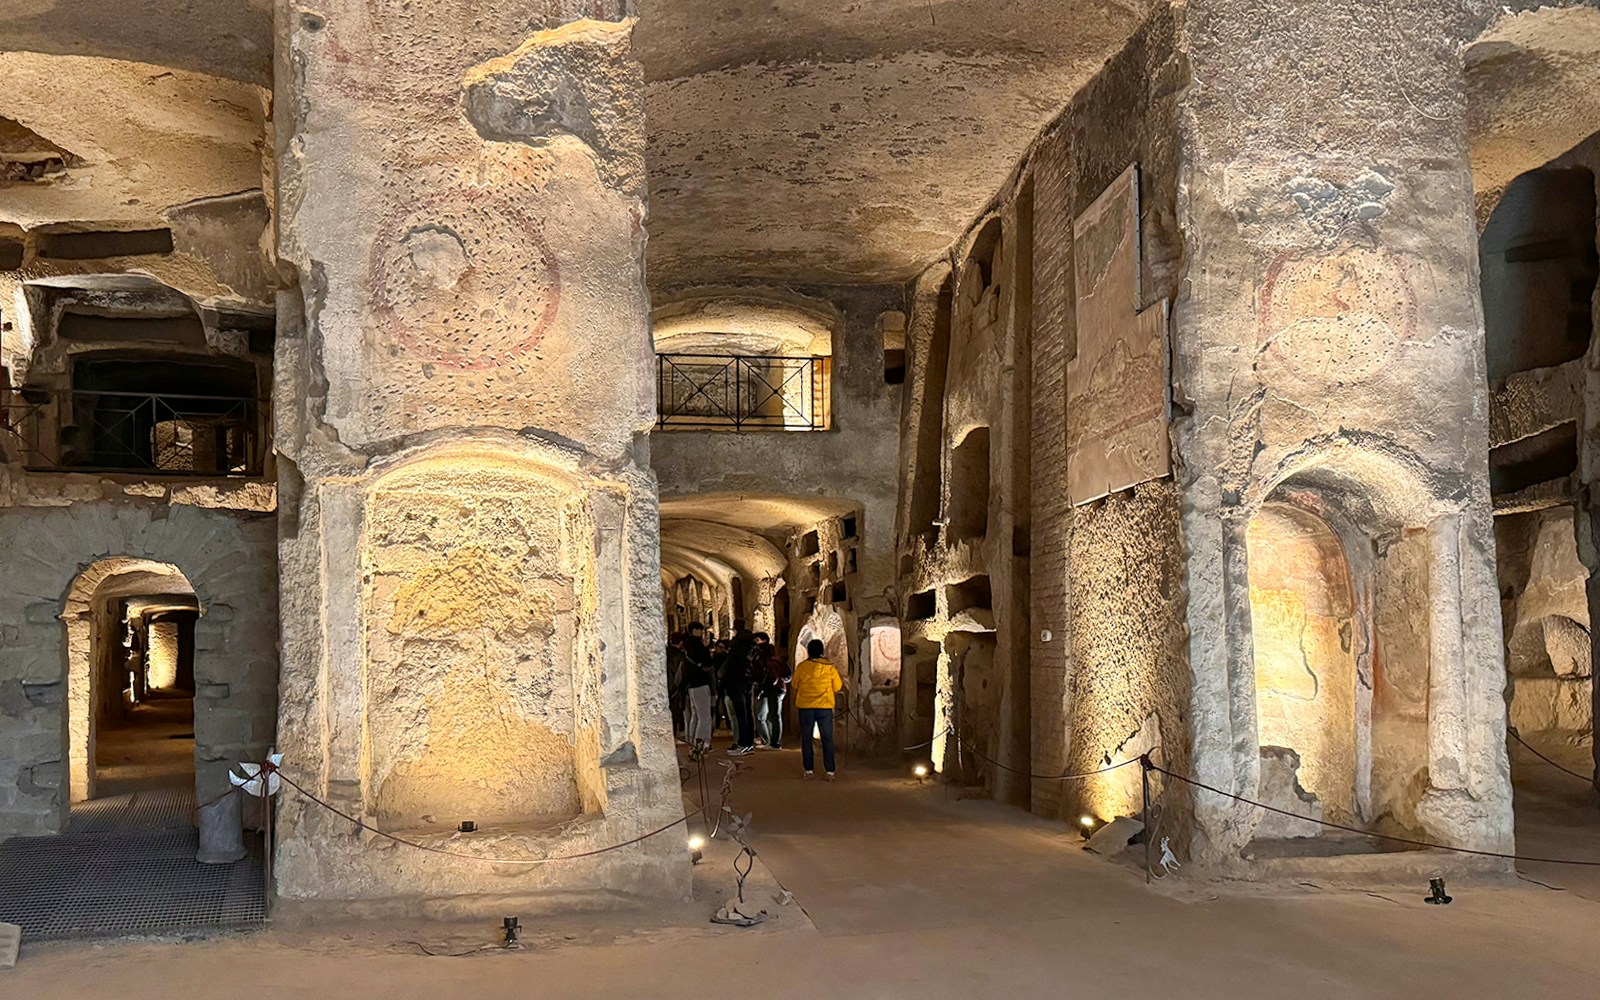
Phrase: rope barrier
(1369, 833)
(363, 825)
(1588, 778)
(1074, 776)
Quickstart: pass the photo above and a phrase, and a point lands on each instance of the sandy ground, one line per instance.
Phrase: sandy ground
(909, 894)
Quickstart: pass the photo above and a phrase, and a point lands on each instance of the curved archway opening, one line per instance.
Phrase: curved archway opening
(130, 625)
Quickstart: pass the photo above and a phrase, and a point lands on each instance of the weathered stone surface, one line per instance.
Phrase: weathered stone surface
(579, 81)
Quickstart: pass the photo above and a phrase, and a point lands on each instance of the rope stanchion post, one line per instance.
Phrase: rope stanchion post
(1144, 787)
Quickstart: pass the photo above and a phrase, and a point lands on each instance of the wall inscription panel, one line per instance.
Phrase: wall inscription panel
(1117, 383)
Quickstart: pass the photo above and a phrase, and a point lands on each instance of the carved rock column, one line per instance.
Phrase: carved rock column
(471, 619)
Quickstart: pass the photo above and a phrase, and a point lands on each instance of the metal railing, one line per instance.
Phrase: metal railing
(742, 392)
(65, 430)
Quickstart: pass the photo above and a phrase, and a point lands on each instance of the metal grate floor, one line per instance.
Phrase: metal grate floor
(104, 884)
(155, 809)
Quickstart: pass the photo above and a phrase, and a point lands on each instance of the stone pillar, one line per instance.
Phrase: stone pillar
(469, 540)
(1328, 350)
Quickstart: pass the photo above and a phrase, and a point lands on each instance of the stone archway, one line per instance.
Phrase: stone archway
(93, 647)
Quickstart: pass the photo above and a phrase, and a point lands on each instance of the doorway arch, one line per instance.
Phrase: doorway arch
(129, 624)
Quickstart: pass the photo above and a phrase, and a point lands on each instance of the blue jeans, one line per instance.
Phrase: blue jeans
(769, 718)
(822, 718)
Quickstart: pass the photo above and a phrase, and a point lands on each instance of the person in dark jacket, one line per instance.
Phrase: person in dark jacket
(737, 687)
(677, 694)
(697, 686)
(774, 673)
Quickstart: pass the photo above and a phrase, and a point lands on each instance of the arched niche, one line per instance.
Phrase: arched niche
(481, 602)
(1303, 618)
(1358, 645)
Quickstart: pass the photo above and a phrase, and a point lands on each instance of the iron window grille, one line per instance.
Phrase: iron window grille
(111, 431)
(742, 392)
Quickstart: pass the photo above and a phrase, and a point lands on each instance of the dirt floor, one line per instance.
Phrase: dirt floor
(910, 892)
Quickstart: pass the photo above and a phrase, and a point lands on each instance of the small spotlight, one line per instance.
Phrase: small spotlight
(696, 845)
(1088, 822)
(921, 770)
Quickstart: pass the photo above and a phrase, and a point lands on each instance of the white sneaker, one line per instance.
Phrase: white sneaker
(830, 775)
(807, 775)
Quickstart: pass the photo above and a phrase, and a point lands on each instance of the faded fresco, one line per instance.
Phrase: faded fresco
(1117, 383)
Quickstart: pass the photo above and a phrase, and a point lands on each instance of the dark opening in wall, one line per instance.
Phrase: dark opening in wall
(11, 254)
(104, 243)
(921, 606)
(808, 544)
(907, 564)
(850, 561)
(969, 486)
(261, 329)
(894, 366)
(840, 594)
(132, 329)
(1539, 265)
(926, 484)
(1552, 454)
(847, 526)
(166, 414)
(971, 594)
(985, 254)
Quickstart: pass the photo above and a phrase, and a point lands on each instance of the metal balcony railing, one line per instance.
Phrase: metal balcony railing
(742, 392)
(64, 430)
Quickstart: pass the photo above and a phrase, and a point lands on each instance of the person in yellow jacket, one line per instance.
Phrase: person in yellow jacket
(816, 682)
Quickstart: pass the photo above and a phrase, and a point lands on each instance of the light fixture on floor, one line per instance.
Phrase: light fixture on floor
(1436, 893)
(921, 773)
(697, 845)
(1089, 824)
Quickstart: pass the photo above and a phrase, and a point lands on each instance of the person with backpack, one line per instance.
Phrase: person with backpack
(774, 673)
(816, 688)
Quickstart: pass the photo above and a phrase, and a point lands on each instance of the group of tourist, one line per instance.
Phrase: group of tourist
(741, 682)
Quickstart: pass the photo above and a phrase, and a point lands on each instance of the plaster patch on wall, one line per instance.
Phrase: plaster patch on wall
(1117, 384)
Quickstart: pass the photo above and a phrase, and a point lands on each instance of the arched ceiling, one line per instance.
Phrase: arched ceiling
(758, 512)
(1533, 92)
(226, 38)
(715, 536)
(714, 320)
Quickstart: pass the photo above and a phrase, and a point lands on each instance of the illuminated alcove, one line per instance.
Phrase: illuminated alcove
(1347, 597)
(480, 601)
(1302, 611)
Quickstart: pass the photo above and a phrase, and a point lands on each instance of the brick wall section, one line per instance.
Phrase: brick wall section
(1052, 513)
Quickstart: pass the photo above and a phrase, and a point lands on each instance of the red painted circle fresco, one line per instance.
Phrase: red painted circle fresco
(463, 279)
